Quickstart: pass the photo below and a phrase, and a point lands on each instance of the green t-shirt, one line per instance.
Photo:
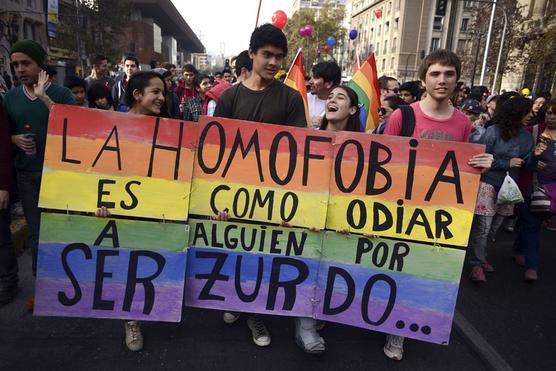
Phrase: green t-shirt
(23, 109)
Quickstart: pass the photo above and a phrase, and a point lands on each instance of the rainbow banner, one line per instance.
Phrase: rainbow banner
(405, 188)
(365, 84)
(252, 268)
(383, 285)
(110, 268)
(296, 79)
(135, 165)
(261, 172)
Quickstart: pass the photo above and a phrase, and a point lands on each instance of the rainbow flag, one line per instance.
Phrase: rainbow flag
(296, 79)
(365, 83)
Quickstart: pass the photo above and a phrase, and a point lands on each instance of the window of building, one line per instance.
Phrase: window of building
(396, 23)
(383, 65)
(394, 44)
(468, 4)
(377, 49)
(392, 61)
(435, 43)
(461, 46)
(464, 24)
(379, 30)
(437, 25)
(385, 50)
(389, 7)
(386, 28)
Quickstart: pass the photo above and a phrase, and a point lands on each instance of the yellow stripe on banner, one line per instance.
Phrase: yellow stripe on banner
(248, 202)
(459, 226)
(146, 197)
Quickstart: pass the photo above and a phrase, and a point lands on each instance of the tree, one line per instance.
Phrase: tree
(325, 22)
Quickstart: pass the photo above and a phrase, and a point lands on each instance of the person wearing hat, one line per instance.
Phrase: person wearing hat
(27, 107)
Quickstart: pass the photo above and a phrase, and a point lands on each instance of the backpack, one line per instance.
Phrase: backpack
(408, 121)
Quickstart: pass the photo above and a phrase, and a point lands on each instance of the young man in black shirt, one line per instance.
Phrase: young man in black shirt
(262, 98)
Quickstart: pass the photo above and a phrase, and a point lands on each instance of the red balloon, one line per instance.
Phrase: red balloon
(279, 19)
(327, 49)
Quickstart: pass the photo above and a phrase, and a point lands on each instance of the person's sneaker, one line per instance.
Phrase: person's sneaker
(230, 317)
(261, 336)
(519, 260)
(394, 347)
(487, 267)
(477, 274)
(133, 336)
(307, 337)
(530, 275)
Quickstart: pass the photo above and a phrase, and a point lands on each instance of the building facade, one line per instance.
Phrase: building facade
(402, 32)
(19, 20)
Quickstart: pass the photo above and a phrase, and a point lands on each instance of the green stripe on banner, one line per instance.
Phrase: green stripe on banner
(256, 239)
(363, 97)
(61, 228)
(420, 260)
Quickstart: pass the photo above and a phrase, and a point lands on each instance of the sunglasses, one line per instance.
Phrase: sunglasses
(382, 111)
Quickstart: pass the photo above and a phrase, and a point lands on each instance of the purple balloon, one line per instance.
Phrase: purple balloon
(353, 34)
(308, 30)
(302, 32)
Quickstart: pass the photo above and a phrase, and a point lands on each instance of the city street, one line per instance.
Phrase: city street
(516, 319)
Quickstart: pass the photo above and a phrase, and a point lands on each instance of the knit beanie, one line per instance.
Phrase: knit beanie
(32, 49)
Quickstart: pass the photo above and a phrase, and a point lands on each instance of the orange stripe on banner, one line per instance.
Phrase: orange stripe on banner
(135, 158)
(245, 171)
(266, 135)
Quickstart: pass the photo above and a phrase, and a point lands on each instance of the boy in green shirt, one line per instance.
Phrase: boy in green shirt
(27, 108)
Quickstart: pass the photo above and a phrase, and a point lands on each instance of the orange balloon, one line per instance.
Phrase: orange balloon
(279, 19)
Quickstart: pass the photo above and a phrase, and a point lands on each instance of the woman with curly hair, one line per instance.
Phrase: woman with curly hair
(513, 148)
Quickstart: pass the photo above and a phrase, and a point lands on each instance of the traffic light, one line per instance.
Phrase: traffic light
(441, 7)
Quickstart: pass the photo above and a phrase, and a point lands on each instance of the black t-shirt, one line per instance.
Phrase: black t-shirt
(276, 104)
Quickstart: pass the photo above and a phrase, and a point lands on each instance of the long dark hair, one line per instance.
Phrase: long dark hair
(353, 124)
(510, 115)
(139, 81)
(96, 91)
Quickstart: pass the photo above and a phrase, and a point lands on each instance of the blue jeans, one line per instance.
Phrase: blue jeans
(483, 232)
(29, 185)
(528, 240)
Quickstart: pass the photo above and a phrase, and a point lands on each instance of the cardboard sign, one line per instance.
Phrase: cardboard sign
(262, 172)
(135, 165)
(252, 268)
(396, 287)
(109, 268)
(404, 188)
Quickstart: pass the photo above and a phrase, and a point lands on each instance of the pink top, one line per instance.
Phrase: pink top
(457, 128)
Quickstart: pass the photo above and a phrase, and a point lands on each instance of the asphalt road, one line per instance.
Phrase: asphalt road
(517, 319)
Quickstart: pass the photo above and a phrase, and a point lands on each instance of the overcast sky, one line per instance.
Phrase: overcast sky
(229, 22)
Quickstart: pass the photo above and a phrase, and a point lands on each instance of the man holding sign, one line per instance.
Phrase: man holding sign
(261, 98)
(434, 117)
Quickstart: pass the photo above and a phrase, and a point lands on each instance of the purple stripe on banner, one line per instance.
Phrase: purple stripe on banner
(167, 304)
(302, 308)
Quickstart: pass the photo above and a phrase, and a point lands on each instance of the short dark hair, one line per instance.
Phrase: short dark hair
(328, 71)
(190, 68)
(243, 61)
(169, 66)
(139, 81)
(198, 79)
(383, 81)
(268, 34)
(130, 57)
(98, 58)
(413, 87)
(443, 57)
(71, 82)
(354, 123)
(394, 101)
(96, 91)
